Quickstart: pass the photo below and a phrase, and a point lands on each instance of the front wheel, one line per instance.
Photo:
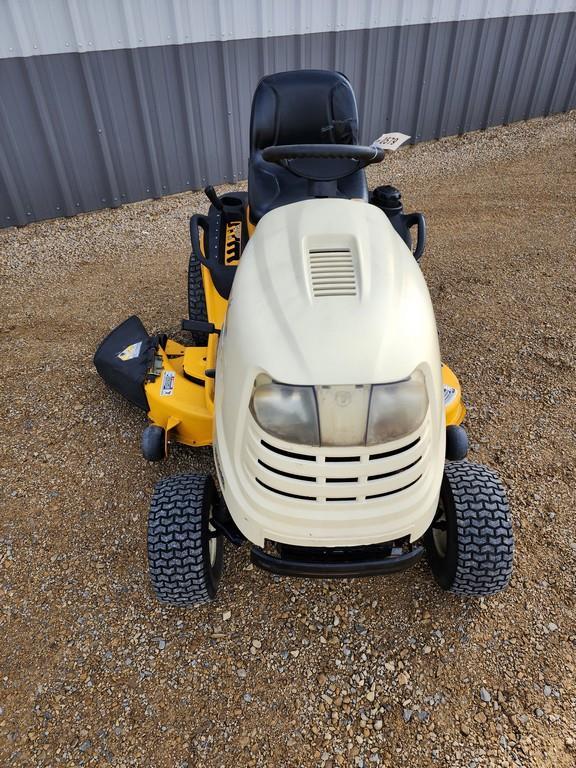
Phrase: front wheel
(470, 545)
(184, 552)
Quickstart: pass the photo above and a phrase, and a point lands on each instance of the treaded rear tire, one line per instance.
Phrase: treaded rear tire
(179, 540)
(478, 547)
(197, 300)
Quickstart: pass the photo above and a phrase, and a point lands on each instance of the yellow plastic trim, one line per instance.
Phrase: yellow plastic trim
(181, 411)
(455, 409)
(250, 227)
(186, 414)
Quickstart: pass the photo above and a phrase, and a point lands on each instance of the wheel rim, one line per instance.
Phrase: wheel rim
(440, 531)
(213, 540)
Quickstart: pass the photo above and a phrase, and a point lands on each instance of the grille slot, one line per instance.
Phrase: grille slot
(306, 478)
(341, 479)
(285, 493)
(394, 472)
(387, 454)
(289, 454)
(332, 272)
(396, 490)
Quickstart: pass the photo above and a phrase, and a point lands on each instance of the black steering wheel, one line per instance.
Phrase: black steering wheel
(322, 162)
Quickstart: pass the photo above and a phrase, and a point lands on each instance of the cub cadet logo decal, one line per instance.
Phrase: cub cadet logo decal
(131, 351)
(449, 393)
(167, 383)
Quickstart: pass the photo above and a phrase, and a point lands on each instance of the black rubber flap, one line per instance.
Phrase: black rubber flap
(123, 359)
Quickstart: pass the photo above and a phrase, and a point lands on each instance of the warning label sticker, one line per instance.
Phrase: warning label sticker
(449, 394)
(131, 351)
(167, 387)
(391, 141)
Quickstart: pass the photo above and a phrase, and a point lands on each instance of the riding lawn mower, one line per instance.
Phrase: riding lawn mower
(311, 364)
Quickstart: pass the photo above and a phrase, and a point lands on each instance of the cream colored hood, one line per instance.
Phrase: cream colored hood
(326, 292)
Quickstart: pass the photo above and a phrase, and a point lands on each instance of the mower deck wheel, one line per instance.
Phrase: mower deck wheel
(456, 443)
(185, 552)
(197, 300)
(470, 545)
(153, 443)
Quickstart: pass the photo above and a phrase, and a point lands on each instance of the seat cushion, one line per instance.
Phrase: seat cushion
(302, 107)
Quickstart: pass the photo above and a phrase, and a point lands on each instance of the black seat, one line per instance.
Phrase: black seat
(311, 106)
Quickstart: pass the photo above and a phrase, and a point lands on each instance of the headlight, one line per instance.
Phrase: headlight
(340, 415)
(397, 409)
(288, 413)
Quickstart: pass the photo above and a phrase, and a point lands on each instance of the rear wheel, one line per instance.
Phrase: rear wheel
(197, 300)
(184, 553)
(470, 545)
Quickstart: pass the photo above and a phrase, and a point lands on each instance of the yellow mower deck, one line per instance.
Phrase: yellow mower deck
(181, 397)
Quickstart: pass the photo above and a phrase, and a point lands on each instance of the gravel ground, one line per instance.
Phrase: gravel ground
(288, 672)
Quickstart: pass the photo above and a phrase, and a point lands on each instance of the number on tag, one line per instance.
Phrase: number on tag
(391, 141)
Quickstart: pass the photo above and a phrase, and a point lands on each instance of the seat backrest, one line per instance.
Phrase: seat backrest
(311, 106)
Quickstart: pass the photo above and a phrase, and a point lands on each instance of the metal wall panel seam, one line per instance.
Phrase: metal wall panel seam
(367, 94)
(135, 65)
(99, 121)
(232, 145)
(570, 98)
(479, 47)
(10, 183)
(527, 20)
(557, 69)
(497, 69)
(563, 63)
(449, 112)
(395, 71)
(445, 92)
(45, 116)
(430, 53)
(541, 69)
(188, 87)
(422, 91)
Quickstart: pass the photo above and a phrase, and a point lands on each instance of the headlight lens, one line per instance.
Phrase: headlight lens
(396, 409)
(340, 415)
(288, 413)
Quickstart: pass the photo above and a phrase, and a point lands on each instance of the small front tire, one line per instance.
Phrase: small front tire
(470, 545)
(184, 553)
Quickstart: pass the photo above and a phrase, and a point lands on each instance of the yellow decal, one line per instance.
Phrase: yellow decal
(131, 351)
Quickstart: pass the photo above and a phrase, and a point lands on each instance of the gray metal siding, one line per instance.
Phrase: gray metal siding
(85, 131)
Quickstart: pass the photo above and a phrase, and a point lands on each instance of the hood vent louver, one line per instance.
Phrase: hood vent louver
(332, 272)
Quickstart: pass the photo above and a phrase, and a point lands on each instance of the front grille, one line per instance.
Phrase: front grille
(335, 475)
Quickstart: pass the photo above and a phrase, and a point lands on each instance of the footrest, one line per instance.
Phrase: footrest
(195, 364)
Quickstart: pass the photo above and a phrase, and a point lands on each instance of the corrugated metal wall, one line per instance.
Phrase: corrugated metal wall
(153, 97)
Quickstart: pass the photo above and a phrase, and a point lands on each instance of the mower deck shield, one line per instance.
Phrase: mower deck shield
(123, 360)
